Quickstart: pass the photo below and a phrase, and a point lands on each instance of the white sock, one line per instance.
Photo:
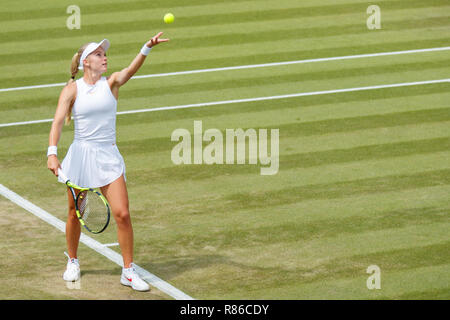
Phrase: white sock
(128, 269)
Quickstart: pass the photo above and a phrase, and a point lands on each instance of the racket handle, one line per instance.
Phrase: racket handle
(62, 175)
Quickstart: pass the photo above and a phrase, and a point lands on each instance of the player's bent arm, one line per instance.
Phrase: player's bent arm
(118, 79)
(66, 99)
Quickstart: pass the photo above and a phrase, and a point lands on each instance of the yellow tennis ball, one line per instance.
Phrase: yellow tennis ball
(168, 18)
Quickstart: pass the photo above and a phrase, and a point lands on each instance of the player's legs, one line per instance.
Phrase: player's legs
(117, 195)
(73, 229)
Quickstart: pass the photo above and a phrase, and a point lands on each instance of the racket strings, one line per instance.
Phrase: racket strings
(92, 210)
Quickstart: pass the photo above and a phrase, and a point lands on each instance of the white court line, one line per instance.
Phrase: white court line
(285, 96)
(114, 244)
(272, 64)
(24, 122)
(93, 244)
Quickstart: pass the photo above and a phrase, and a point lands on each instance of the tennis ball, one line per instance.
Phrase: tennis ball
(168, 18)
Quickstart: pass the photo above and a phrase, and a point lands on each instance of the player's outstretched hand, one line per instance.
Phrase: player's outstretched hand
(156, 40)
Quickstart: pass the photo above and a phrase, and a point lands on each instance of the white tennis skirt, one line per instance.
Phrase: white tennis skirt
(92, 164)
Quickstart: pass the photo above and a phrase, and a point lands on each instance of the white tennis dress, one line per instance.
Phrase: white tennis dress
(93, 159)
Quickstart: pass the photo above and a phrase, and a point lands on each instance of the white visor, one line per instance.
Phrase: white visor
(91, 48)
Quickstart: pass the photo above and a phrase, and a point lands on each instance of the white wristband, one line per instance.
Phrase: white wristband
(52, 150)
(145, 50)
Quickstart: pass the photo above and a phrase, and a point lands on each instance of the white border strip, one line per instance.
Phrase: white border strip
(114, 244)
(273, 64)
(284, 63)
(214, 103)
(93, 244)
(24, 122)
(285, 96)
(34, 87)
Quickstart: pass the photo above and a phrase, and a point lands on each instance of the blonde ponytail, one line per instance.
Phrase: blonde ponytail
(73, 71)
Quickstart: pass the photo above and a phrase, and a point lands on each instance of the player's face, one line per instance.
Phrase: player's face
(97, 60)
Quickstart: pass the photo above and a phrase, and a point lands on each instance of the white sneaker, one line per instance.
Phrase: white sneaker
(131, 278)
(72, 272)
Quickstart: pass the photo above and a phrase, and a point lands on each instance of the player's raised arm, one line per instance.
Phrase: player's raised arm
(120, 78)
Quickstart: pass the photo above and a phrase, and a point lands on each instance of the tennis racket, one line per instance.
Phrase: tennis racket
(91, 206)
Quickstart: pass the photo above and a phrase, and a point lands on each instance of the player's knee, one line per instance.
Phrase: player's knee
(122, 216)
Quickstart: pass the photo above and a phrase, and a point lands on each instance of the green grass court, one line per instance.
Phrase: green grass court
(364, 176)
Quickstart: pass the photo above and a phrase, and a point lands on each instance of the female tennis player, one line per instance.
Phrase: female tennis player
(93, 159)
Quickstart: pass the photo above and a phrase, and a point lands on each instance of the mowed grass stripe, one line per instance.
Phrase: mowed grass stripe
(319, 143)
(250, 114)
(377, 99)
(286, 162)
(221, 194)
(289, 147)
(273, 198)
(203, 254)
(200, 41)
(111, 6)
(214, 188)
(299, 128)
(327, 277)
(272, 79)
(273, 118)
(281, 104)
(39, 99)
(297, 230)
(274, 93)
(301, 160)
(35, 129)
(218, 194)
(222, 29)
(165, 61)
(201, 84)
(293, 129)
(291, 268)
(319, 250)
(209, 199)
(215, 6)
(125, 41)
(182, 31)
(210, 19)
(166, 174)
(304, 212)
(11, 77)
(336, 257)
(340, 189)
(354, 287)
(432, 294)
(133, 14)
